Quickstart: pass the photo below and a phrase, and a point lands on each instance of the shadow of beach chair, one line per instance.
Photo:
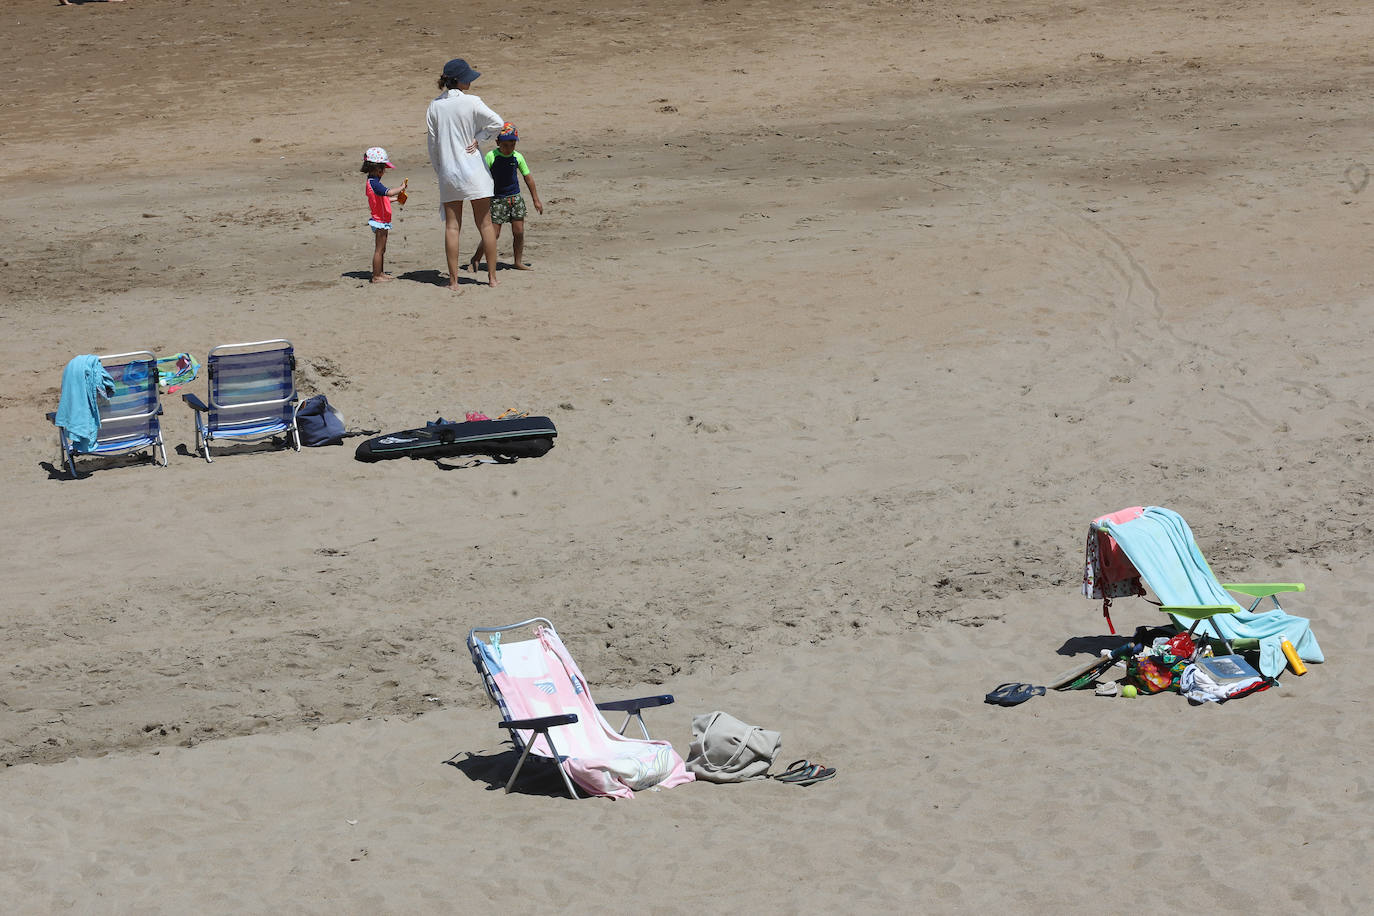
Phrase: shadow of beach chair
(252, 392)
(1160, 547)
(548, 711)
(129, 419)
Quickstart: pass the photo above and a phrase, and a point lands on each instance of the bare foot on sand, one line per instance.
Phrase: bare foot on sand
(472, 265)
(382, 278)
(453, 287)
(519, 266)
(491, 279)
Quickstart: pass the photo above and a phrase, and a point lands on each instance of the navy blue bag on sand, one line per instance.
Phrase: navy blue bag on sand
(319, 423)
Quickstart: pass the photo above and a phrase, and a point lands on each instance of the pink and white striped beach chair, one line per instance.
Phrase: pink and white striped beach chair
(549, 712)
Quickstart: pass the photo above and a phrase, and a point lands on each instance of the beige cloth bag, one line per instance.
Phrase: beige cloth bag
(724, 749)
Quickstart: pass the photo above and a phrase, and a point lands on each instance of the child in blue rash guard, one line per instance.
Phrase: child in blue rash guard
(379, 197)
(507, 206)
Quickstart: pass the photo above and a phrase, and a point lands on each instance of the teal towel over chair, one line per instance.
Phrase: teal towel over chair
(78, 412)
(1161, 547)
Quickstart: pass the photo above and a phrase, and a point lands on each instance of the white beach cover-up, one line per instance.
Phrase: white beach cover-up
(456, 119)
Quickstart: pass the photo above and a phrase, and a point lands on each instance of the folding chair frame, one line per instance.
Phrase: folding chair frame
(633, 709)
(1205, 612)
(122, 445)
(205, 435)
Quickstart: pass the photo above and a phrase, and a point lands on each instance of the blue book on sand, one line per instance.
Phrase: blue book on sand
(1225, 669)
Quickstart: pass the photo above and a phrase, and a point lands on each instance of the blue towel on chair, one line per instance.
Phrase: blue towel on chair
(78, 412)
(1161, 547)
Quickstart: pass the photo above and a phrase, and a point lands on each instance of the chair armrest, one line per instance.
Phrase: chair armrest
(1263, 589)
(634, 706)
(195, 402)
(543, 722)
(1199, 611)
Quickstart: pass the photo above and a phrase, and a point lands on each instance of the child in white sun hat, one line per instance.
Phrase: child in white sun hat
(379, 197)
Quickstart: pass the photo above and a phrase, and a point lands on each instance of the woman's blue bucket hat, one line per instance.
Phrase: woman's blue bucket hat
(458, 69)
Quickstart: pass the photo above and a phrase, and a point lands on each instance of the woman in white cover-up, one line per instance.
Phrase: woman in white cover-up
(457, 121)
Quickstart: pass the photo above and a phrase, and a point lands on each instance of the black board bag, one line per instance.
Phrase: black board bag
(521, 437)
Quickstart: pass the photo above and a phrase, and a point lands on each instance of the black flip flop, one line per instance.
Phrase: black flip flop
(1013, 694)
(1001, 692)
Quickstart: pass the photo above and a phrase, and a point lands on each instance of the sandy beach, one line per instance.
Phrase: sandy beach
(851, 316)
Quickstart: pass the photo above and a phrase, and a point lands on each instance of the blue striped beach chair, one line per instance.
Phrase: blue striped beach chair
(129, 419)
(252, 391)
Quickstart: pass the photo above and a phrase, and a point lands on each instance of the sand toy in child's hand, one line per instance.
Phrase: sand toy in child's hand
(403, 196)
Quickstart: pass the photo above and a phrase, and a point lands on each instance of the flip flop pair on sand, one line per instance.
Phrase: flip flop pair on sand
(804, 773)
(1013, 694)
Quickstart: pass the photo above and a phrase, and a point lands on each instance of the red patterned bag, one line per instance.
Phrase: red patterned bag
(1150, 675)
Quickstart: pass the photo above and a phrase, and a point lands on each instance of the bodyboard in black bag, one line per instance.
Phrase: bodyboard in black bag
(520, 437)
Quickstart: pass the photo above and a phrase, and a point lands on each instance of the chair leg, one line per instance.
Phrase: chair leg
(1230, 650)
(65, 447)
(637, 714)
(510, 783)
(548, 739)
(561, 772)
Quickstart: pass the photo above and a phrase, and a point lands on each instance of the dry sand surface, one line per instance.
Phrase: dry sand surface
(851, 315)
